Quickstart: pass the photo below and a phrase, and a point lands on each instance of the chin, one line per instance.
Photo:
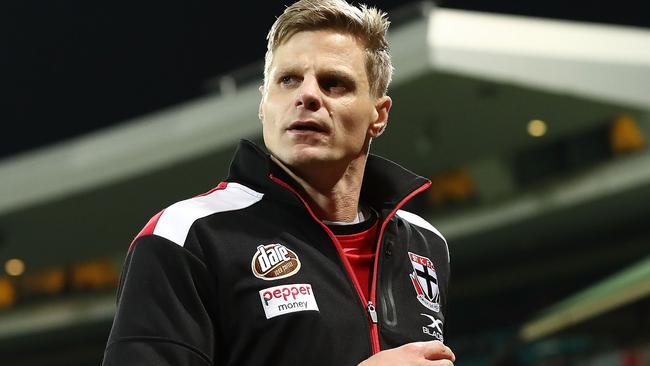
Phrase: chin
(306, 159)
(308, 156)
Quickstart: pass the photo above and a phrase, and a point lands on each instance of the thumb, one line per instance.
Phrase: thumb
(436, 350)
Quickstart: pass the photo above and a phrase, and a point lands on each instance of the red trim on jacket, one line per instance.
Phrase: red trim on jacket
(151, 225)
(147, 229)
(373, 286)
(374, 332)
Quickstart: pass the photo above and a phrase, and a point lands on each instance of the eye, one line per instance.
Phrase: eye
(334, 85)
(288, 80)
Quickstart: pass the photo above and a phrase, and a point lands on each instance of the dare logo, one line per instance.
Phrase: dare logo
(274, 261)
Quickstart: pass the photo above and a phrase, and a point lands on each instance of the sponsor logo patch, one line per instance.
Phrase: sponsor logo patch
(425, 281)
(285, 299)
(434, 329)
(274, 261)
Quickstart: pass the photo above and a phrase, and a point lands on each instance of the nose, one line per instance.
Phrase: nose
(309, 96)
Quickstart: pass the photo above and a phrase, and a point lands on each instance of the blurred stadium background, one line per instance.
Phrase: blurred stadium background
(531, 119)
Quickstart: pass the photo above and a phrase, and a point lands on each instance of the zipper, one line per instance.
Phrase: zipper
(372, 312)
(371, 309)
(374, 332)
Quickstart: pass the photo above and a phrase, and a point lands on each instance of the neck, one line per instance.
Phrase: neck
(333, 194)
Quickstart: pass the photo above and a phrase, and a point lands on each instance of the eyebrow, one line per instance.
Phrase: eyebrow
(347, 77)
(336, 73)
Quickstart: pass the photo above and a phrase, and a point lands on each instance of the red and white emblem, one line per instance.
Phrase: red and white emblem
(425, 281)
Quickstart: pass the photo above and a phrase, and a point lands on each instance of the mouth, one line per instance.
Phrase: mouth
(307, 126)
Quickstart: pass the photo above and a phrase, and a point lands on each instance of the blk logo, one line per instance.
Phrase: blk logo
(434, 329)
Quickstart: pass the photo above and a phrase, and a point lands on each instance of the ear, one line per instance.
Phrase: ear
(380, 116)
(260, 115)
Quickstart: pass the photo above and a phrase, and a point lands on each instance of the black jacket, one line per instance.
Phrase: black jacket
(246, 275)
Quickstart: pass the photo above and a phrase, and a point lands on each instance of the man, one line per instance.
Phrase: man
(302, 256)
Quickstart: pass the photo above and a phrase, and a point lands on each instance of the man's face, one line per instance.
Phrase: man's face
(317, 109)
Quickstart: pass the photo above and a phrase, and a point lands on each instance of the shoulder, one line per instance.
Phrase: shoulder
(174, 222)
(422, 223)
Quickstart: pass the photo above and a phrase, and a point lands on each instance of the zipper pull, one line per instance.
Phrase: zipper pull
(372, 312)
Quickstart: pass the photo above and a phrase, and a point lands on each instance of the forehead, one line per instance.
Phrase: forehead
(321, 48)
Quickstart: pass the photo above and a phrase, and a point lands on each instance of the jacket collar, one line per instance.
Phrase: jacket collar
(386, 185)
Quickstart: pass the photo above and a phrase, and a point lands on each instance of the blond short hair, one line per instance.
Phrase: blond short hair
(368, 24)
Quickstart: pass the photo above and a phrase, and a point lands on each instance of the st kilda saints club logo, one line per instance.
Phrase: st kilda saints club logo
(425, 281)
(274, 261)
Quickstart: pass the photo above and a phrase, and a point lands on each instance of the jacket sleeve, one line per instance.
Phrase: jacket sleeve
(165, 303)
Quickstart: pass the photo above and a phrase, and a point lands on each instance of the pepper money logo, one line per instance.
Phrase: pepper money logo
(285, 299)
(274, 261)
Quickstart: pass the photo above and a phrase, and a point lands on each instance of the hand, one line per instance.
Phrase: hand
(433, 353)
